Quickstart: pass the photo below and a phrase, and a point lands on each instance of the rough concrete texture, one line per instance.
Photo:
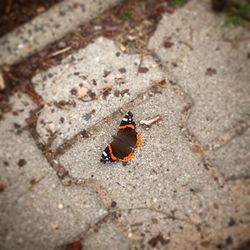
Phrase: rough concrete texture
(164, 177)
(210, 63)
(37, 212)
(170, 195)
(49, 27)
(111, 76)
(154, 229)
(234, 158)
(164, 160)
(108, 237)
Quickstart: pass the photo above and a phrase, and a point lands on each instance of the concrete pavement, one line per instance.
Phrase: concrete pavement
(187, 187)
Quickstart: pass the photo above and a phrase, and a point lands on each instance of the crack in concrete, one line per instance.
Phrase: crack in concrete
(150, 92)
(169, 215)
(197, 147)
(236, 130)
(114, 214)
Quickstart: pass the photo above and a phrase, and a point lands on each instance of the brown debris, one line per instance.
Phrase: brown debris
(15, 13)
(51, 138)
(119, 80)
(197, 149)
(168, 44)
(74, 245)
(124, 91)
(73, 91)
(92, 94)
(34, 182)
(219, 5)
(106, 73)
(116, 92)
(113, 204)
(122, 70)
(2, 187)
(211, 71)
(64, 104)
(106, 91)
(159, 238)
(142, 70)
(21, 162)
(148, 123)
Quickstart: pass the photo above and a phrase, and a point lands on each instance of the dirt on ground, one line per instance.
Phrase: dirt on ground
(16, 12)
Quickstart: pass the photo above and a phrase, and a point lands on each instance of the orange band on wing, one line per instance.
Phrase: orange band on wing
(127, 158)
(127, 126)
(111, 153)
(138, 140)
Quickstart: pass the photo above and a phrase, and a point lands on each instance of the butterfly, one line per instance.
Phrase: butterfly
(124, 142)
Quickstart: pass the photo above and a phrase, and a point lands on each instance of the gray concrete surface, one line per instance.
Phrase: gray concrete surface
(49, 27)
(108, 237)
(163, 171)
(164, 175)
(233, 159)
(210, 63)
(41, 215)
(96, 68)
(187, 187)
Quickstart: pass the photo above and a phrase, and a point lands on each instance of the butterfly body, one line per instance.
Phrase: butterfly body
(123, 144)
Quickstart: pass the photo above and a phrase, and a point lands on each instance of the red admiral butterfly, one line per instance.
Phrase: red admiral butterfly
(122, 147)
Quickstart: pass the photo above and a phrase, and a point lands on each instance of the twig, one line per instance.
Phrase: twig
(148, 123)
(60, 51)
(34, 182)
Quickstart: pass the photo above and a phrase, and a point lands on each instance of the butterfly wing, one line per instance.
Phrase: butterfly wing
(107, 155)
(127, 121)
(122, 147)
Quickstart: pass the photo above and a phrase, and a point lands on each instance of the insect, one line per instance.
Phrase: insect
(123, 144)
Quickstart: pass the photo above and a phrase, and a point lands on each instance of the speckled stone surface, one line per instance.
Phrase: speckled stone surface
(37, 211)
(233, 160)
(49, 27)
(108, 237)
(210, 63)
(164, 177)
(171, 195)
(111, 78)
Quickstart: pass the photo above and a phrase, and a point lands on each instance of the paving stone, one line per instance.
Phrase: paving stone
(15, 158)
(164, 180)
(164, 172)
(37, 212)
(151, 229)
(210, 63)
(107, 237)
(49, 27)
(233, 159)
(89, 86)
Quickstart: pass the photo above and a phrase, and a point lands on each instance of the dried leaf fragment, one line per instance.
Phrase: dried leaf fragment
(142, 70)
(54, 226)
(74, 245)
(82, 92)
